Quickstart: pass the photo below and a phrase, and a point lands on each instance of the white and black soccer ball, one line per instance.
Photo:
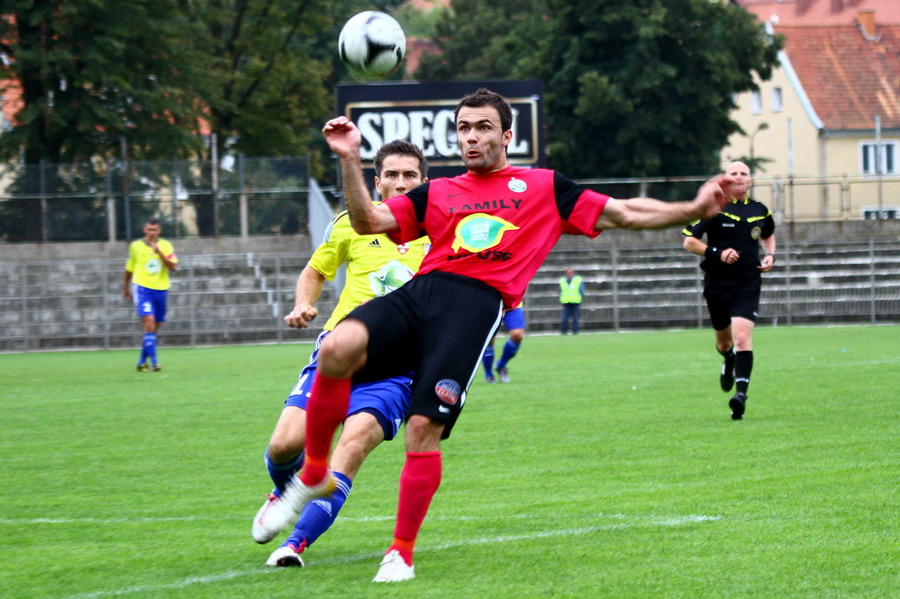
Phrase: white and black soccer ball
(372, 44)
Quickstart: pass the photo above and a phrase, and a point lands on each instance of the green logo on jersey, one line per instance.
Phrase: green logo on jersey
(478, 232)
(153, 266)
(389, 277)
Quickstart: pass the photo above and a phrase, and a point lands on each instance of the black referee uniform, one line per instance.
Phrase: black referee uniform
(733, 290)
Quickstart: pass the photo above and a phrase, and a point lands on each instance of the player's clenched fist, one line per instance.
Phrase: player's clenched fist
(299, 318)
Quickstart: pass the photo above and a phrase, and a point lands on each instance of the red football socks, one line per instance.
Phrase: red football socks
(419, 481)
(326, 409)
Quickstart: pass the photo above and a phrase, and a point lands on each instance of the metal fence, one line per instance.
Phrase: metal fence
(242, 197)
(816, 281)
(241, 298)
(215, 299)
(108, 201)
(791, 199)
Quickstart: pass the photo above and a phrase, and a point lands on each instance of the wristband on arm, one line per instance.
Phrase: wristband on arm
(712, 253)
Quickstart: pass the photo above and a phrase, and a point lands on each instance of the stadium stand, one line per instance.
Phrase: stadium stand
(231, 298)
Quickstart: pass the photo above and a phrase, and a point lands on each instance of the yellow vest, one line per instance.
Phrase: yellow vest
(570, 291)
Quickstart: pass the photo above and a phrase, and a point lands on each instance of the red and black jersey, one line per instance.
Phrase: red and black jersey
(495, 227)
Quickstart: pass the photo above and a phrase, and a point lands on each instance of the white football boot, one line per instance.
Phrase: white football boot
(279, 512)
(285, 557)
(260, 533)
(394, 569)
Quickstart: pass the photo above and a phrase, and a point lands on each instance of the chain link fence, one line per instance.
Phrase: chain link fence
(242, 197)
(109, 201)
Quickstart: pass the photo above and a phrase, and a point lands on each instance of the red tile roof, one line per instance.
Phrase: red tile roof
(822, 12)
(848, 78)
(415, 48)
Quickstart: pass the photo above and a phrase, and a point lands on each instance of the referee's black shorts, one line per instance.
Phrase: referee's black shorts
(438, 326)
(729, 298)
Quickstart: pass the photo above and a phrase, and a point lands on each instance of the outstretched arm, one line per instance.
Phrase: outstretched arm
(366, 218)
(647, 213)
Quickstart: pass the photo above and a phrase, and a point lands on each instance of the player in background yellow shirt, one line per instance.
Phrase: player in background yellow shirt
(375, 266)
(146, 283)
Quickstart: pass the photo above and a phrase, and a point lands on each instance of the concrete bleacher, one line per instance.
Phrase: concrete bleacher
(215, 298)
(652, 286)
(631, 283)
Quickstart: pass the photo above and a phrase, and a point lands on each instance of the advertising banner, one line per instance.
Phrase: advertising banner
(422, 113)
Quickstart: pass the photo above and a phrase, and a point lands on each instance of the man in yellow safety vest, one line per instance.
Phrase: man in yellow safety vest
(571, 292)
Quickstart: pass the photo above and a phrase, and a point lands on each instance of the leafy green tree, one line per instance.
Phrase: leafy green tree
(100, 79)
(639, 88)
(494, 45)
(97, 78)
(276, 63)
(95, 73)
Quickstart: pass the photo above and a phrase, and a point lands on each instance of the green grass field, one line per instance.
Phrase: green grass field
(609, 467)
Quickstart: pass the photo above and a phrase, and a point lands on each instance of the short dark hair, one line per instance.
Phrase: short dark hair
(485, 97)
(153, 221)
(401, 147)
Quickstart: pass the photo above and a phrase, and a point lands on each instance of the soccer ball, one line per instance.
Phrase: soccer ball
(372, 44)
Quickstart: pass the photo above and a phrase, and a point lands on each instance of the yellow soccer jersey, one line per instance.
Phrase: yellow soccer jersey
(146, 267)
(375, 264)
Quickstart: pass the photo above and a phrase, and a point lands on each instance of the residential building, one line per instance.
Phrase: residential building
(827, 124)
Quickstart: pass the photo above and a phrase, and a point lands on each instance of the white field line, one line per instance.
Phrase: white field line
(112, 521)
(567, 532)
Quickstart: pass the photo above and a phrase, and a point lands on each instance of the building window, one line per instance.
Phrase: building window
(777, 102)
(755, 102)
(888, 166)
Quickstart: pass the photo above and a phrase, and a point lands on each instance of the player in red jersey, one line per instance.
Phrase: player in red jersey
(491, 229)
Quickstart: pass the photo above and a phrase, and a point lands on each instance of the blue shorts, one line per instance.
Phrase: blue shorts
(514, 319)
(150, 302)
(387, 400)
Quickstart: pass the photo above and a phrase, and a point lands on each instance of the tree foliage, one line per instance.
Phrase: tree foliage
(97, 72)
(147, 79)
(640, 88)
(157, 73)
(270, 86)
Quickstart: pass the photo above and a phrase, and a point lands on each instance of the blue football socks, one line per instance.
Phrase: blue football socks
(487, 360)
(143, 351)
(510, 348)
(282, 473)
(320, 514)
(149, 350)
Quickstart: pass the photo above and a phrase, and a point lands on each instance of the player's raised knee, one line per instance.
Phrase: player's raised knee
(343, 352)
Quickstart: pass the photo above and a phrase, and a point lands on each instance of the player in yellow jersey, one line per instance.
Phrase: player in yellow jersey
(375, 267)
(146, 283)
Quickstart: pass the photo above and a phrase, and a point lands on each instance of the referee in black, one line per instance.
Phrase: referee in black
(731, 283)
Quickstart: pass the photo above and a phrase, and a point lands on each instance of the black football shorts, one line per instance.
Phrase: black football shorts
(437, 326)
(727, 299)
